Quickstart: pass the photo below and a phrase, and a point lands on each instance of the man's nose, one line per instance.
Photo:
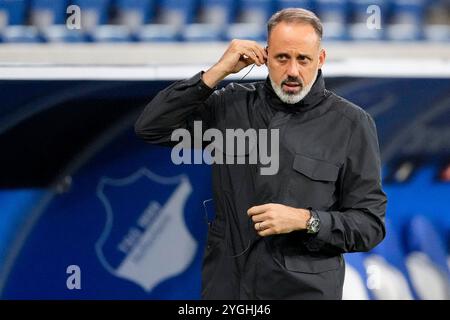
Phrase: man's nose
(292, 70)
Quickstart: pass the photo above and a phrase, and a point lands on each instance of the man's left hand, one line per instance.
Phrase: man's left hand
(274, 218)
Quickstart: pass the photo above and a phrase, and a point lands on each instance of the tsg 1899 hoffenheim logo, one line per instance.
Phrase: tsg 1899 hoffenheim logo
(145, 242)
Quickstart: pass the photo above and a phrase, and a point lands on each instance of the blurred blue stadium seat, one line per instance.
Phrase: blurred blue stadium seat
(177, 11)
(49, 17)
(251, 21)
(13, 12)
(256, 11)
(218, 11)
(13, 20)
(145, 8)
(134, 13)
(47, 12)
(389, 258)
(333, 14)
(363, 24)
(437, 18)
(95, 22)
(424, 186)
(306, 4)
(427, 260)
(172, 17)
(20, 34)
(97, 10)
(407, 20)
(355, 287)
(213, 18)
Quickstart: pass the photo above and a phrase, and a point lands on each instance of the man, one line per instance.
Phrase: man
(281, 236)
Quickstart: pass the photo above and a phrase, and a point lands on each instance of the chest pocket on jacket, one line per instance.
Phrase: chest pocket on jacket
(312, 182)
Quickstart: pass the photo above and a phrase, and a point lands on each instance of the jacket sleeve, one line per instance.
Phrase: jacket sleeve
(359, 225)
(176, 107)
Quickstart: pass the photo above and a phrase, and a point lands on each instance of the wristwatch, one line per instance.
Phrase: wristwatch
(313, 223)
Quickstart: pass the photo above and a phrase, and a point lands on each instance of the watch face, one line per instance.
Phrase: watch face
(314, 226)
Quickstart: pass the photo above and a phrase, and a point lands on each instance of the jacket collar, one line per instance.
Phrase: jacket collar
(315, 95)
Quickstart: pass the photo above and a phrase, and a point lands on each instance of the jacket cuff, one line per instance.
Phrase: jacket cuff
(316, 241)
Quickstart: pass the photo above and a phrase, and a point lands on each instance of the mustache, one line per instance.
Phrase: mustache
(292, 80)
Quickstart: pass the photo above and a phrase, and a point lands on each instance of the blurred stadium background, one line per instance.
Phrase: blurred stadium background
(77, 188)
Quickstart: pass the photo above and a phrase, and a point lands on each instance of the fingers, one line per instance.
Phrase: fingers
(263, 229)
(265, 233)
(263, 208)
(260, 226)
(253, 55)
(258, 209)
(252, 50)
(260, 217)
(263, 217)
(240, 54)
(261, 53)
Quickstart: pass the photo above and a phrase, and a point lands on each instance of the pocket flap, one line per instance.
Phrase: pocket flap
(315, 169)
(311, 264)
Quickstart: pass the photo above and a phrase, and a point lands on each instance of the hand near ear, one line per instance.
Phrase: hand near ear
(239, 54)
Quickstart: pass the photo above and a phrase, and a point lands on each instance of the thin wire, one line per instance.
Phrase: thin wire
(206, 211)
(249, 244)
(225, 237)
(248, 223)
(248, 72)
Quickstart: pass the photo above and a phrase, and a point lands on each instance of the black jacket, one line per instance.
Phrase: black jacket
(329, 162)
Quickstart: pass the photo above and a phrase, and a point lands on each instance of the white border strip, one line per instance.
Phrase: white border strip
(349, 68)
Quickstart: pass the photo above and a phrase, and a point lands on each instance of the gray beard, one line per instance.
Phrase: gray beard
(293, 98)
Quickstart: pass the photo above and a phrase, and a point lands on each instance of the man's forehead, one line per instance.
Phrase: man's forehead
(293, 35)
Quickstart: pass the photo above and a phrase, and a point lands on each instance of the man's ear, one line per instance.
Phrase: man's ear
(322, 57)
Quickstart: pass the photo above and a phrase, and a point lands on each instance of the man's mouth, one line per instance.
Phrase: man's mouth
(292, 86)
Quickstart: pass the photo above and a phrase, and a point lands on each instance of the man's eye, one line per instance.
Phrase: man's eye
(303, 60)
(282, 58)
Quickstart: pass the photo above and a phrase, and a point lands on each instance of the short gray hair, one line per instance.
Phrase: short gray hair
(296, 15)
